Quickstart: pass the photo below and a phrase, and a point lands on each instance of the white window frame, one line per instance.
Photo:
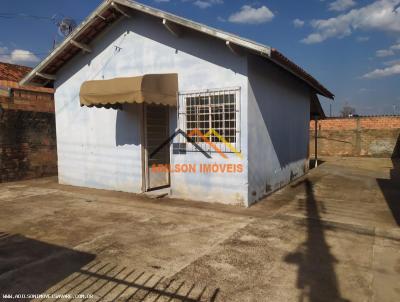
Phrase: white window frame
(182, 117)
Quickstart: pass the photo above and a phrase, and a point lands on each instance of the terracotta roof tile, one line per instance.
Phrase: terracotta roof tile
(13, 72)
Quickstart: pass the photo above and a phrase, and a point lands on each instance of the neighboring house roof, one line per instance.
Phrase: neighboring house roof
(111, 10)
(12, 74)
(22, 98)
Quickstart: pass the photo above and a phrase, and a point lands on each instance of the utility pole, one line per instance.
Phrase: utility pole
(316, 141)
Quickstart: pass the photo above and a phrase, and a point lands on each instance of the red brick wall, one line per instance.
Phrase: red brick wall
(28, 101)
(363, 136)
(27, 145)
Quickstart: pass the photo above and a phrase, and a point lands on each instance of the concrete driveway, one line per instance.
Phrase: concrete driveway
(330, 236)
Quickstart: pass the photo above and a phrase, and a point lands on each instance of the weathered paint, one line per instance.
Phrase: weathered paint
(101, 148)
(278, 123)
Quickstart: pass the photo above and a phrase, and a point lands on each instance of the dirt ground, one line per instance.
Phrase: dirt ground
(331, 236)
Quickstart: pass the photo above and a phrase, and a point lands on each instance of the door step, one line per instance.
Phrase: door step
(159, 193)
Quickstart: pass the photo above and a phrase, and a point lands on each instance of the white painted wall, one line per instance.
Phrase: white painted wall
(278, 121)
(100, 148)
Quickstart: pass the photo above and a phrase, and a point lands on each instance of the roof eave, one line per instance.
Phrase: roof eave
(29, 77)
(282, 61)
(324, 92)
(259, 49)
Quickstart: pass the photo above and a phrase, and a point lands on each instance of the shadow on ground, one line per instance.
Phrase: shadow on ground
(107, 282)
(390, 190)
(390, 187)
(29, 266)
(316, 277)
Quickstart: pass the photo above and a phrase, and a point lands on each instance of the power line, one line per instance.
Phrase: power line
(22, 15)
(58, 19)
(28, 16)
(25, 54)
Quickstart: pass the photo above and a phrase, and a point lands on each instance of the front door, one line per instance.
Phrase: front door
(156, 133)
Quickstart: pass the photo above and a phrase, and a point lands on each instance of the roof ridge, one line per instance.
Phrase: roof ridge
(111, 10)
(17, 65)
(13, 72)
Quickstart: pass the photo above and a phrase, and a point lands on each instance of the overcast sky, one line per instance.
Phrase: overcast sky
(351, 46)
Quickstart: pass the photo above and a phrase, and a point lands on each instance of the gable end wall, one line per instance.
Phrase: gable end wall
(279, 111)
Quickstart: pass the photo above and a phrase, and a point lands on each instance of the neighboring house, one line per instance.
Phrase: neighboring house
(27, 127)
(26, 98)
(130, 76)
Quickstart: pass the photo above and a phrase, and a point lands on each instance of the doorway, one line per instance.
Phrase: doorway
(156, 132)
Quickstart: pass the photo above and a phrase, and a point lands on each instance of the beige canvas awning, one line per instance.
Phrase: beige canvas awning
(151, 88)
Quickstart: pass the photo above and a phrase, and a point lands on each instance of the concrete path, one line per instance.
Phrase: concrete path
(331, 236)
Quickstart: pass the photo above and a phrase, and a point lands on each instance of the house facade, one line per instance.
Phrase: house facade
(151, 100)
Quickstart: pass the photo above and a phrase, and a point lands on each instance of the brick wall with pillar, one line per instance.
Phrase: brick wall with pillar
(377, 136)
(27, 127)
(27, 145)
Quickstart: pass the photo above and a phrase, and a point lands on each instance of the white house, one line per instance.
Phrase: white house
(131, 77)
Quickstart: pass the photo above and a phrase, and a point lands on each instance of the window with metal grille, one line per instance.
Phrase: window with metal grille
(215, 114)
